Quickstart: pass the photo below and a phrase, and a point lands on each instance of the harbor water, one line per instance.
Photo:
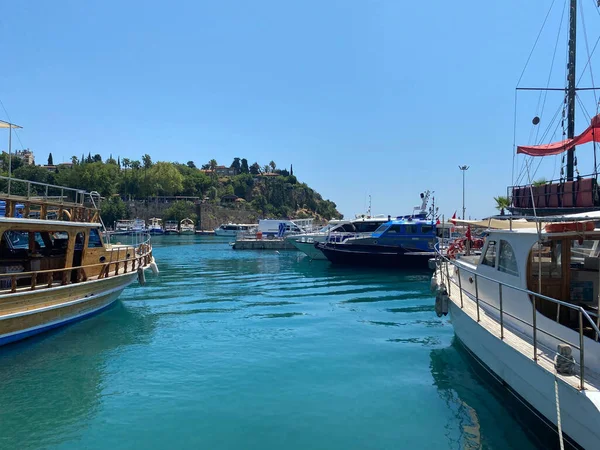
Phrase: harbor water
(255, 350)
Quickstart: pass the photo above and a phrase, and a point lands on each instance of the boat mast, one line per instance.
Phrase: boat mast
(571, 87)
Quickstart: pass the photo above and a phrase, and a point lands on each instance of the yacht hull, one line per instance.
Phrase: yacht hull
(54, 307)
(530, 382)
(309, 249)
(375, 256)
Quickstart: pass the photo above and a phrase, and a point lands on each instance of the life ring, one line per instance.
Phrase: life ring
(563, 227)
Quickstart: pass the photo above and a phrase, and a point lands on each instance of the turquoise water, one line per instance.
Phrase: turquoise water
(254, 350)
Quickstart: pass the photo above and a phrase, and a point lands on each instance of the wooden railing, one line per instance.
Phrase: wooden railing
(44, 279)
(44, 200)
(443, 263)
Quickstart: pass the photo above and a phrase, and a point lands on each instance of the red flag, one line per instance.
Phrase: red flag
(453, 219)
(468, 233)
(438, 221)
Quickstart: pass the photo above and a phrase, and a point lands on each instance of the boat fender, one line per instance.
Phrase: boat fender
(433, 285)
(141, 276)
(154, 267)
(441, 302)
(564, 363)
(432, 263)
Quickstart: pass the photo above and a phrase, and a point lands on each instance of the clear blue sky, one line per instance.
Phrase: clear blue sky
(363, 97)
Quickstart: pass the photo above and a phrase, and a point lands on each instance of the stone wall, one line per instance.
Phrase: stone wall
(210, 216)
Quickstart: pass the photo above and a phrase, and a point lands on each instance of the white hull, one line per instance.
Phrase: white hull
(229, 233)
(580, 410)
(309, 249)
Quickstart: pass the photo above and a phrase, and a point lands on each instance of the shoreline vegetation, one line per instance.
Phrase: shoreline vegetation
(267, 190)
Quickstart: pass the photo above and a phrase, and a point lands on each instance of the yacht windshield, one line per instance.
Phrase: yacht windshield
(382, 228)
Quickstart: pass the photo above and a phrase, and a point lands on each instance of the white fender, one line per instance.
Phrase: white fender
(433, 285)
(154, 267)
(141, 276)
(441, 302)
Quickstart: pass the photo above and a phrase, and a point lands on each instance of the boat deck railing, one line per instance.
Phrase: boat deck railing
(443, 264)
(31, 199)
(123, 263)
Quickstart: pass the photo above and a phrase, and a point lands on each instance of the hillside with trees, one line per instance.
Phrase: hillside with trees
(266, 189)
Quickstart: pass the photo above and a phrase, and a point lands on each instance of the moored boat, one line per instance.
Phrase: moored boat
(397, 243)
(155, 226)
(186, 226)
(53, 272)
(527, 309)
(233, 229)
(171, 227)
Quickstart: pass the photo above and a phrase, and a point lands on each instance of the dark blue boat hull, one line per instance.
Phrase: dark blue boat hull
(375, 255)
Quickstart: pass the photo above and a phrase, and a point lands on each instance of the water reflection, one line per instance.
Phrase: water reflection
(482, 418)
(53, 383)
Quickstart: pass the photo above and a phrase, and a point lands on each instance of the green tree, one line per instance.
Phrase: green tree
(179, 210)
(97, 158)
(502, 203)
(147, 161)
(236, 165)
(273, 166)
(244, 166)
(164, 179)
(50, 160)
(191, 164)
(74, 160)
(255, 169)
(112, 209)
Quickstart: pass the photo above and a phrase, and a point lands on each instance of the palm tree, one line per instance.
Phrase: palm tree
(273, 165)
(502, 203)
(540, 182)
(212, 164)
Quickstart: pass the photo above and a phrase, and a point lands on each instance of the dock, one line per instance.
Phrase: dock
(262, 244)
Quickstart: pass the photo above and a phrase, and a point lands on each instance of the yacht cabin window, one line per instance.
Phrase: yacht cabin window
(411, 229)
(426, 229)
(489, 259)
(507, 262)
(393, 229)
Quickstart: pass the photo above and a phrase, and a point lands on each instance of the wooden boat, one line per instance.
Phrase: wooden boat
(53, 272)
(186, 226)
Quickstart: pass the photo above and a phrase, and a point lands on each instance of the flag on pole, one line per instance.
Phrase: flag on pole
(453, 220)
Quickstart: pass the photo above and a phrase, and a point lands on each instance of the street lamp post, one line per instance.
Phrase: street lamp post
(463, 169)
(10, 127)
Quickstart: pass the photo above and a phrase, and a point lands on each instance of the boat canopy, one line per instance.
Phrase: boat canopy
(591, 134)
(497, 224)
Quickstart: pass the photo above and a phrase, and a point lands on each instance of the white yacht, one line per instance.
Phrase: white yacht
(335, 231)
(527, 309)
(233, 229)
(155, 226)
(187, 226)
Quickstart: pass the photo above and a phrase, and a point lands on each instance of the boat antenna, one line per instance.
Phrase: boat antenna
(369, 210)
(571, 86)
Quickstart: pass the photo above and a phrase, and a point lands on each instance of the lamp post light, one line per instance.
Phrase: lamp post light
(463, 169)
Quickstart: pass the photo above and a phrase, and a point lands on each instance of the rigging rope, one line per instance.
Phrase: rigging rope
(10, 121)
(587, 48)
(535, 43)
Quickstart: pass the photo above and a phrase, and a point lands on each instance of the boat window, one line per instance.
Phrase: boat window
(507, 262)
(411, 229)
(489, 259)
(394, 229)
(94, 240)
(379, 230)
(370, 227)
(426, 229)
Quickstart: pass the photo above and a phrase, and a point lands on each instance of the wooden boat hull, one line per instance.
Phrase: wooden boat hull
(29, 313)
(375, 256)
